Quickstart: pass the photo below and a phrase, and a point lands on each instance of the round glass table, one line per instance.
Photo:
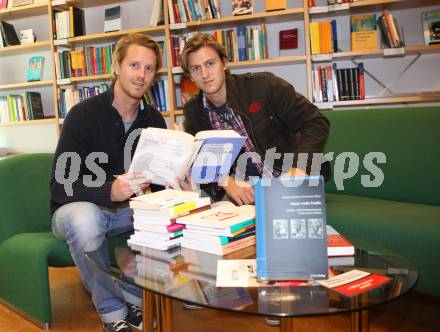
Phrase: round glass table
(190, 276)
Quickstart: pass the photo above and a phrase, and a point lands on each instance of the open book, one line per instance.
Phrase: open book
(164, 155)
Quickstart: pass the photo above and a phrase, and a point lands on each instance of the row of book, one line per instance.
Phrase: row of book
(333, 84)
(27, 106)
(158, 95)
(330, 2)
(68, 23)
(181, 11)
(171, 218)
(323, 37)
(67, 98)
(88, 61)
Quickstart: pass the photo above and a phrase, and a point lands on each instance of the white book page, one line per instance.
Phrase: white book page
(162, 155)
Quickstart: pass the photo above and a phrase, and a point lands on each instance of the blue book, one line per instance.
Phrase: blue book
(35, 68)
(291, 229)
(241, 40)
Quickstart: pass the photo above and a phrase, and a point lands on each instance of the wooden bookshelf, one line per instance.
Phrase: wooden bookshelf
(243, 18)
(423, 97)
(112, 36)
(298, 16)
(19, 49)
(369, 5)
(103, 77)
(24, 11)
(29, 122)
(26, 85)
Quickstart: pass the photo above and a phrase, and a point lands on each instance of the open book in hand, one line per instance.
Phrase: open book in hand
(163, 155)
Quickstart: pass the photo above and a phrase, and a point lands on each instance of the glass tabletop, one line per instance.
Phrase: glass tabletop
(190, 276)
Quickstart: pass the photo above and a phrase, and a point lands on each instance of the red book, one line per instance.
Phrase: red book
(288, 39)
(362, 285)
(3, 4)
(337, 244)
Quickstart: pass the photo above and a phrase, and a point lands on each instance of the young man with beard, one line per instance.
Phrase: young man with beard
(259, 106)
(89, 185)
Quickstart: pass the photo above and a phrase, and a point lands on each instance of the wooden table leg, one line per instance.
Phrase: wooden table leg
(148, 311)
(166, 314)
(286, 324)
(359, 321)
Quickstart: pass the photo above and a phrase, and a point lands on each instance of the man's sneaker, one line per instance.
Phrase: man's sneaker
(190, 306)
(134, 316)
(119, 326)
(272, 321)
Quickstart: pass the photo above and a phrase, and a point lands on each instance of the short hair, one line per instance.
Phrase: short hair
(196, 43)
(135, 39)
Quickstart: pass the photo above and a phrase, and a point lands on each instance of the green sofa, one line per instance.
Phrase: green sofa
(27, 246)
(403, 213)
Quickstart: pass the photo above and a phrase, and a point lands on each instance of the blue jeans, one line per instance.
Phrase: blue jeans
(84, 226)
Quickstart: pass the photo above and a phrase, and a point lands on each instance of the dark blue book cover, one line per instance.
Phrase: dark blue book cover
(291, 228)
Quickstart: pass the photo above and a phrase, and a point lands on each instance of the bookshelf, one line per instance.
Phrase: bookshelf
(294, 67)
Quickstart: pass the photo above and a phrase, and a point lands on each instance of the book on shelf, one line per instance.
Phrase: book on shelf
(242, 7)
(291, 218)
(18, 3)
(15, 108)
(338, 84)
(431, 27)
(112, 21)
(391, 34)
(163, 155)
(69, 97)
(76, 22)
(288, 40)
(363, 30)
(157, 17)
(35, 68)
(9, 35)
(323, 37)
(3, 4)
(271, 5)
(27, 37)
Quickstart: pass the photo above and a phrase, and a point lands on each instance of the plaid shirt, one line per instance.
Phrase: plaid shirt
(232, 121)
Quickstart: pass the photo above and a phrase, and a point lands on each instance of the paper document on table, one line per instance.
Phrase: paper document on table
(237, 273)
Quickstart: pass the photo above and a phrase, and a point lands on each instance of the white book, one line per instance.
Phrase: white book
(163, 199)
(156, 244)
(220, 217)
(163, 155)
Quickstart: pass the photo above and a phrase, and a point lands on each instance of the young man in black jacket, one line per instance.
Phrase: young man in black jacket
(276, 120)
(90, 187)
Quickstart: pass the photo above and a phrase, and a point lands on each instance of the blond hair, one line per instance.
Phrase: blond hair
(135, 39)
(196, 43)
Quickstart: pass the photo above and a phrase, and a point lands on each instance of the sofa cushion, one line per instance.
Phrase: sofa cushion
(407, 137)
(408, 228)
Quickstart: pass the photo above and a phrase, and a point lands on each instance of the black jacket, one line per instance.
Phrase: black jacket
(94, 125)
(274, 115)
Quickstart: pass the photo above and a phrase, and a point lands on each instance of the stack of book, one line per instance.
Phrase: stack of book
(155, 217)
(221, 230)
